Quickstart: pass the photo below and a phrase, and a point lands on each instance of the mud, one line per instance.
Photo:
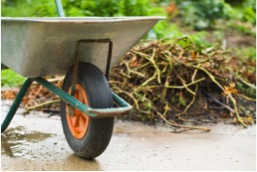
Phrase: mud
(36, 142)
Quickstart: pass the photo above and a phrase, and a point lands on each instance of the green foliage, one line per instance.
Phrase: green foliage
(10, 78)
(249, 15)
(166, 30)
(102, 8)
(243, 17)
(90, 7)
(245, 11)
(246, 53)
(15, 8)
(44, 8)
(199, 40)
(246, 90)
(250, 52)
(243, 27)
(202, 14)
(250, 3)
(134, 7)
(182, 101)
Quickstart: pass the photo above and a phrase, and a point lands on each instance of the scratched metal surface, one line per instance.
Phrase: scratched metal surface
(36, 47)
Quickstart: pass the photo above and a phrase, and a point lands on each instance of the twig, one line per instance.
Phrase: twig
(229, 95)
(246, 97)
(193, 99)
(246, 83)
(182, 126)
(189, 105)
(186, 85)
(218, 102)
(41, 104)
(59, 83)
(151, 59)
(144, 86)
(149, 80)
(194, 74)
(38, 91)
(210, 76)
(131, 96)
(55, 79)
(132, 71)
(237, 113)
(142, 66)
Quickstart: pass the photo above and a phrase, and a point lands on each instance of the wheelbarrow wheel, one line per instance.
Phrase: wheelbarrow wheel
(88, 137)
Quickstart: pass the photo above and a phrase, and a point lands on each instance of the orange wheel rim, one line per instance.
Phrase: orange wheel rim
(78, 122)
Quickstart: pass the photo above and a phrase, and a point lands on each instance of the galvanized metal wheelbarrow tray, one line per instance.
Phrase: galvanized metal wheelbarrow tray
(35, 47)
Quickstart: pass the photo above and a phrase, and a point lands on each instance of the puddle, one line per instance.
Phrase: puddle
(15, 141)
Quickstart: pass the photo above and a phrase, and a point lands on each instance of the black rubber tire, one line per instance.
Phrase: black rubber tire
(99, 95)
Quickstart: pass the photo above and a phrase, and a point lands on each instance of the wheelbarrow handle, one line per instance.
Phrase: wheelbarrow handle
(59, 8)
(16, 104)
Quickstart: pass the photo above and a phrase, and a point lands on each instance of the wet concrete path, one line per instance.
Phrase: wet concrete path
(36, 142)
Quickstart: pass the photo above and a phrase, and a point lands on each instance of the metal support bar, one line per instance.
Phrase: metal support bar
(121, 102)
(59, 8)
(76, 59)
(109, 56)
(15, 104)
(125, 107)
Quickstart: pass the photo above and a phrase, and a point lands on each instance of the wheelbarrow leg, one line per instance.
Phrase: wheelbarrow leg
(16, 104)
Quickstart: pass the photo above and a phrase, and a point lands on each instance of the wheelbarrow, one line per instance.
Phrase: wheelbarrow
(84, 49)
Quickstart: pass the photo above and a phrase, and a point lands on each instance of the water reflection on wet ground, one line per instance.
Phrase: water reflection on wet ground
(15, 141)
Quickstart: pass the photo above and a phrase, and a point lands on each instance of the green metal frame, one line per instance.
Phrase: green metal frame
(92, 112)
(15, 104)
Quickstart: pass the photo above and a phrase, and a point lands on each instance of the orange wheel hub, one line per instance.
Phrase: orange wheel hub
(78, 122)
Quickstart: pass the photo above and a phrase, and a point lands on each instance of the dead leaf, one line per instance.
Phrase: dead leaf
(134, 62)
(171, 8)
(194, 55)
(228, 90)
(9, 94)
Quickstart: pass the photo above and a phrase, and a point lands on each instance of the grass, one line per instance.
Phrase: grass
(9, 78)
